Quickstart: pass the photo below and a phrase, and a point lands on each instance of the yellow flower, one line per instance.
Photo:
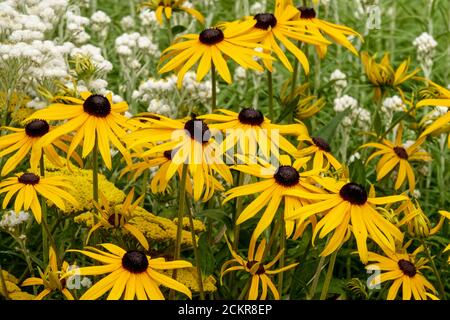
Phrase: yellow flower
(130, 274)
(166, 7)
(382, 74)
(321, 150)
(13, 291)
(348, 204)
(278, 185)
(188, 277)
(27, 186)
(52, 279)
(338, 33)
(93, 118)
(22, 141)
(446, 214)
(259, 271)
(111, 216)
(395, 154)
(208, 48)
(442, 100)
(404, 269)
(417, 223)
(250, 129)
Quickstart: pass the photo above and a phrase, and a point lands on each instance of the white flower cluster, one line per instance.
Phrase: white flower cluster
(131, 46)
(155, 94)
(127, 22)
(76, 25)
(340, 81)
(257, 7)
(100, 22)
(354, 157)
(357, 114)
(95, 54)
(147, 17)
(12, 219)
(343, 103)
(197, 90)
(240, 74)
(392, 105)
(425, 45)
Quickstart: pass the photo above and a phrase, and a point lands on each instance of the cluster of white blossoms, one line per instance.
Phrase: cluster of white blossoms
(12, 219)
(131, 46)
(425, 45)
(339, 80)
(257, 7)
(240, 75)
(147, 17)
(343, 103)
(76, 27)
(155, 93)
(357, 114)
(100, 22)
(95, 54)
(392, 105)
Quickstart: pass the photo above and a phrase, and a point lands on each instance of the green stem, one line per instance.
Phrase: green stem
(239, 208)
(294, 79)
(95, 170)
(328, 277)
(213, 89)
(169, 30)
(245, 290)
(316, 278)
(196, 253)
(270, 92)
(435, 270)
(282, 248)
(181, 210)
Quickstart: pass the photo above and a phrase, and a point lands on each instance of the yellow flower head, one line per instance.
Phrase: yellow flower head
(259, 271)
(130, 274)
(27, 186)
(94, 118)
(166, 7)
(321, 150)
(24, 140)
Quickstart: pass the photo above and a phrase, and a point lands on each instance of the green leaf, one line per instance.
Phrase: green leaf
(358, 172)
(216, 215)
(378, 124)
(207, 259)
(329, 130)
(178, 29)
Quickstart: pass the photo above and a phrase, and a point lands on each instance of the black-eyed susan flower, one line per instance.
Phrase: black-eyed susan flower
(208, 49)
(396, 155)
(348, 205)
(273, 190)
(130, 274)
(167, 7)
(52, 279)
(93, 118)
(191, 143)
(446, 214)
(259, 271)
(382, 74)
(24, 140)
(338, 33)
(443, 100)
(404, 270)
(112, 216)
(27, 186)
(280, 27)
(320, 150)
(253, 133)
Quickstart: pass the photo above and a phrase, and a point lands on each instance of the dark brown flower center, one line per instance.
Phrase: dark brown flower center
(112, 219)
(322, 144)
(29, 178)
(401, 152)
(407, 267)
(354, 193)
(168, 154)
(198, 130)
(37, 128)
(135, 261)
(97, 105)
(260, 270)
(287, 176)
(251, 116)
(265, 21)
(307, 12)
(211, 36)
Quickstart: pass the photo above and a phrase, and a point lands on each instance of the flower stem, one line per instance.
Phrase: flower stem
(213, 89)
(245, 290)
(329, 275)
(435, 270)
(196, 253)
(95, 170)
(270, 92)
(169, 30)
(294, 79)
(181, 209)
(316, 278)
(239, 208)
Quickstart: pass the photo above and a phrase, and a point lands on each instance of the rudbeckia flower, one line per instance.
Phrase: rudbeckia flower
(442, 100)
(446, 214)
(321, 150)
(191, 143)
(382, 74)
(93, 117)
(250, 129)
(259, 271)
(208, 48)
(111, 217)
(395, 154)
(281, 26)
(319, 27)
(349, 205)
(278, 185)
(27, 186)
(166, 7)
(52, 279)
(130, 274)
(22, 141)
(404, 270)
